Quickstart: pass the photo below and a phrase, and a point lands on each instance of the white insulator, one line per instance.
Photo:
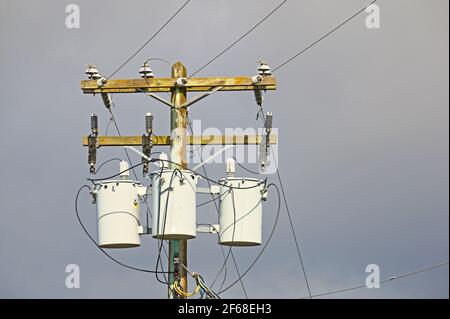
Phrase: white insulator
(146, 71)
(163, 160)
(91, 70)
(96, 76)
(124, 169)
(264, 69)
(231, 167)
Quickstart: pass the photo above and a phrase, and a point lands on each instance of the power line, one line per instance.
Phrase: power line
(95, 243)
(323, 37)
(401, 276)
(278, 172)
(106, 162)
(297, 246)
(230, 252)
(118, 132)
(240, 38)
(265, 245)
(149, 40)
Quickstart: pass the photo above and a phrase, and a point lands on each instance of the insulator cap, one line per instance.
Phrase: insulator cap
(146, 71)
(264, 69)
(91, 70)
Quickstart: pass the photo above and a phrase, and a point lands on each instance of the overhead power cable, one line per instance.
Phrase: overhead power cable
(401, 276)
(288, 211)
(239, 39)
(113, 118)
(95, 243)
(149, 40)
(323, 37)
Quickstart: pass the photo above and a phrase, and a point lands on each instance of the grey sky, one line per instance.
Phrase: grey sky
(363, 140)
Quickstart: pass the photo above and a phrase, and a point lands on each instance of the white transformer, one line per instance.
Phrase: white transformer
(118, 213)
(240, 219)
(174, 204)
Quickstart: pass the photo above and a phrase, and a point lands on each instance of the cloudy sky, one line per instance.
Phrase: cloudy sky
(363, 141)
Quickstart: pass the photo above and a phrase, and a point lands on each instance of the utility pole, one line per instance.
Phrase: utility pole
(178, 126)
(178, 85)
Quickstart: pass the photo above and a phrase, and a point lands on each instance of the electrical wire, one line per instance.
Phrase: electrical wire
(265, 245)
(183, 294)
(161, 240)
(95, 243)
(106, 162)
(323, 37)
(230, 252)
(214, 198)
(207, 178)
(297, 246)
(149, 40)
(239, 39)
(201, 282)
(107, 126)
(115, 175)
(242, 217)
(206, 288)
(232, 239)
(401, 276)
(245, 168)
(118, 132)
(153, 160)
(164, 247)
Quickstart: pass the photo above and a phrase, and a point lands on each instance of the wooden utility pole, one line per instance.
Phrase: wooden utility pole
(178, 85)
(178, 126)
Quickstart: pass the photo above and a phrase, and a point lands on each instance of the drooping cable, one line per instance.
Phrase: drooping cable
(95, 243)
(297, 245)
(265, 245)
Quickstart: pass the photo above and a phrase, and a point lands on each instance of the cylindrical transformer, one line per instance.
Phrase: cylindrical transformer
(174, 204)
(118, 213)
(240, 218)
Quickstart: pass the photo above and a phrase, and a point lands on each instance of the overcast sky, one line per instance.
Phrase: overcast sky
(363, 122)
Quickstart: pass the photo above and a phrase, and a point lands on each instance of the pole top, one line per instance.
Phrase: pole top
(179, 70)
